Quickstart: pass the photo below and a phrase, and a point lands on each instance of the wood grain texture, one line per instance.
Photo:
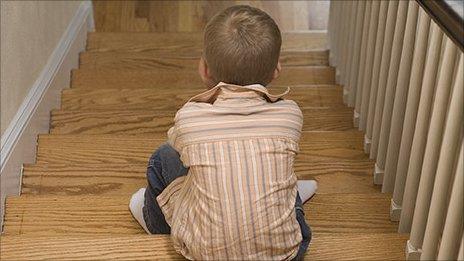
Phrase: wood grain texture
(113, 149)
(88, 247)
(336, 176)
(153, 61)
(74, 202)
(340, 246)
(188, 43)
(158, 122)
(173, 99)
(348, 211)
(187, 78)
(49, 215)
(192, 16)
(362, 246)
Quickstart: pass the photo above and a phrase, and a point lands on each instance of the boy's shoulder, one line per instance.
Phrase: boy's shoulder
(202, 109)
(282, 103)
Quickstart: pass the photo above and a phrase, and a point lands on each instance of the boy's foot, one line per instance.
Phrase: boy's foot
(136, 207)
(306, 189)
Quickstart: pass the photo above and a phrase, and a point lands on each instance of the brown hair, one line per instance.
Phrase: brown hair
(242, 46)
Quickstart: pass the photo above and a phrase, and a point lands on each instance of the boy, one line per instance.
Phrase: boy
(223, 185)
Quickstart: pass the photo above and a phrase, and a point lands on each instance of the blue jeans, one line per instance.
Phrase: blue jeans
(163, 168)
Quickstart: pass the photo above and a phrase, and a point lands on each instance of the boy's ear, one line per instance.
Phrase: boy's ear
(204, 73)
(277, 71)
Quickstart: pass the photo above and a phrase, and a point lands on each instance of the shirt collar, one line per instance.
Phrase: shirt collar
(212, 94)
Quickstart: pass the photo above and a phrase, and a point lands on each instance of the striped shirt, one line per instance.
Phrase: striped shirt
(238, 199)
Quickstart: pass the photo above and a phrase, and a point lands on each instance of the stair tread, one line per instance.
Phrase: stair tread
(54, 214)
(159, 121)
(340, 246)
(155, 60)
(333, 176)
(172, 99)
(188, 42)
(186, 78)
(81, 149)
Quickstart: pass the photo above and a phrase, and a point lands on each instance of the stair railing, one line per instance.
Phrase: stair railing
(401, 67)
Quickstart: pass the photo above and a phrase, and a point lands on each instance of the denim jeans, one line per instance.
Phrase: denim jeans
(163, 168)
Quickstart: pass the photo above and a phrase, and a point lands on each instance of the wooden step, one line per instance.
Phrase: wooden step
(173, 99)
(48, 215)
(188, 43)
(156, 121)
(113, 149)
(186, 78)
(88, 247)
(340, 246)
(155, 61)
(336, 176)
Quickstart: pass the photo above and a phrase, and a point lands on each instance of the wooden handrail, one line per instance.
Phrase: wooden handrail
(449, 16)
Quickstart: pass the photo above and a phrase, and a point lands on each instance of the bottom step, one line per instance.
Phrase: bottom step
(48, 215)
(382, 246)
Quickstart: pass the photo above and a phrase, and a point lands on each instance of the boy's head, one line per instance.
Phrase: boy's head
(241, 46)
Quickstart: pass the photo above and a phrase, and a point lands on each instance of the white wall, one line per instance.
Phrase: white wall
(30, 31)
(40, 45)
(318, 14)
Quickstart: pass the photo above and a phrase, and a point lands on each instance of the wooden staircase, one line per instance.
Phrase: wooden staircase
(74, 202)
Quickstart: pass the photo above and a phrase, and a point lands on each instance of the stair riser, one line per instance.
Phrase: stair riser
(158, 122)
(186, 78)
(166, 99)
(152, 61)
(188, 43)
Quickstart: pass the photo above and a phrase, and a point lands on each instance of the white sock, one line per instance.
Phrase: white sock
(306, 189)
(136, 207)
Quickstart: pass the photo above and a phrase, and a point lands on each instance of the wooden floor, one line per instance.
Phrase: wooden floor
(192, 16)
(74, 202)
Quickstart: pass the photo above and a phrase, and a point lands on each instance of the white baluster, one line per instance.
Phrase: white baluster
(383, 77)
(367, 75)
(345, 18)
(381, 135)
(391, 145)
(386, 10)
(356, 9)
(461, 249)
(452, 231)
(355, 59)
(421, 129)
(331, 30)
(445, 166)
(358, 78)
(415, 83)
(432, 149)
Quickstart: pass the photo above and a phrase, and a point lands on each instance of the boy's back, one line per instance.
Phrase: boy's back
(224, 185)
(238, 199)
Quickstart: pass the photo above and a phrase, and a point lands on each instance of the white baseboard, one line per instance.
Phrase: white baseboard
(18, 143)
